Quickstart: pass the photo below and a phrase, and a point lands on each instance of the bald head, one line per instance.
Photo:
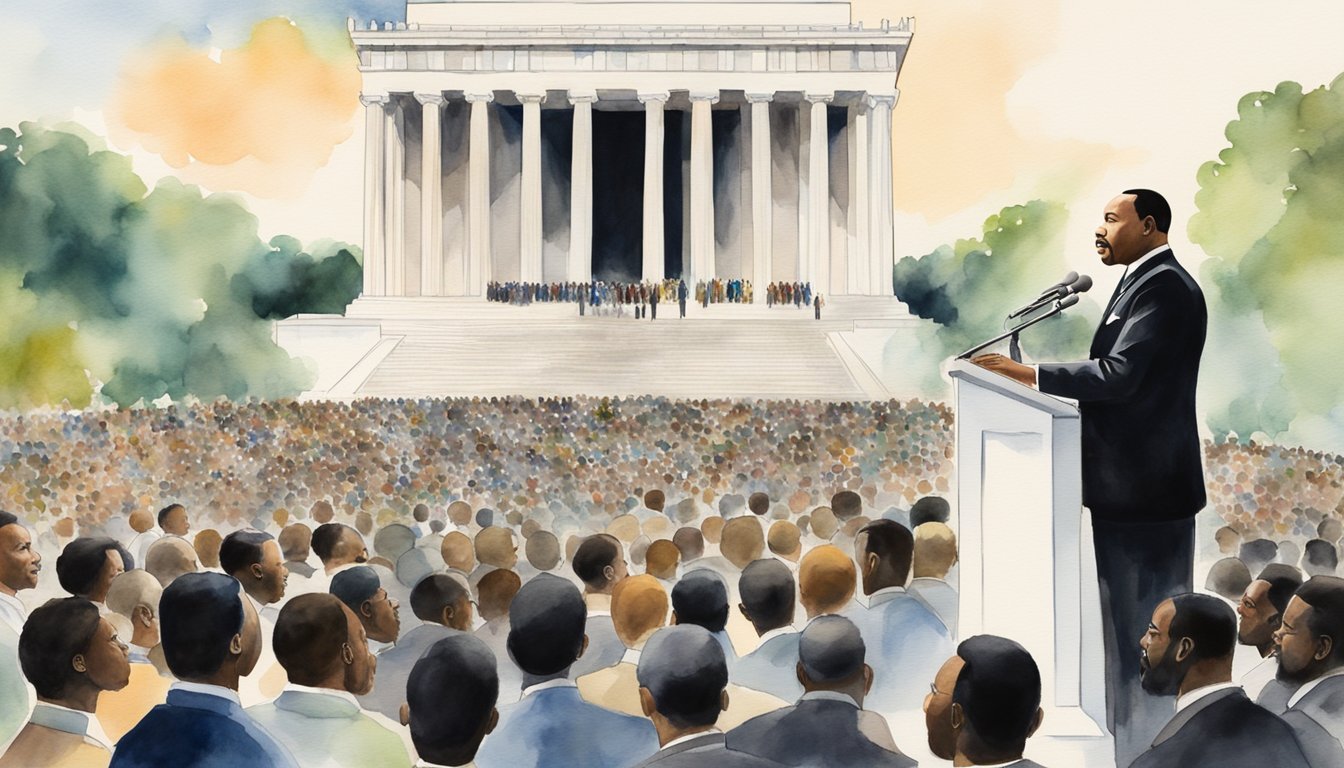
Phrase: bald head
(639, 607)
(785, 540)
(458, 552)
(826, 580)
(690, 543)
(712, 528)
(661, 559)
(823, 523)
(169, 558)
(543, 550)
(742, 541)
(459, 513)
(141, 520)
(625, 528)
(495, 547)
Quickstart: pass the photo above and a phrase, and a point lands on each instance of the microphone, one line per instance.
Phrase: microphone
(1068, 280)
(1079, 284)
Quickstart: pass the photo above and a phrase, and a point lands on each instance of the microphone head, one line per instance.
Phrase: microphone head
(1082, 284)
(1069, 278)
(1068, 301)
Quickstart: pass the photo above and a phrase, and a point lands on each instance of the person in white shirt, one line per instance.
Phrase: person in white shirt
(253, 558)
(339, 547)
(20, 565)
(1260, 614)
(88, 564)
(173, 520)
(935, 554)
(146, 533)
(450, 700)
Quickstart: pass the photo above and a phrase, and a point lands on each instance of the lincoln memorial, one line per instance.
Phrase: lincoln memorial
(547, 141)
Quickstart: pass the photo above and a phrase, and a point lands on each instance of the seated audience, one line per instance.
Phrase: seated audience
(767, 592)
(88, 564)
(701, 598)
(908, 641)
(984, 704)
(296, 545)
(600, 564)
(339, 547)
(173, 521)
(542, 551)
(71, 655)
(450, 700)
(495, 548)
(362, 592)
(827, 726)
(1260, 613)
(935, 554)
(498, 588)
(207, 544)
(442, 602)
(826, 579)
(20, 564)
(930, 509)
(785, 541)
(661, 561)
(552, 725)
(1311, 657)
(134, 598)
(321, 645)
(1320, 558)
(1187, 651)
(211, 637)
(170, 557)
(253, 558)
(682, 690)
(639, 607)
(458, 552)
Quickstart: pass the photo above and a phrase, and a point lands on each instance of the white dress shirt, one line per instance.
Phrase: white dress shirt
(206, 689)
(1193, 696)
(689, 737)
(559, 682)
(13, 612)
(69, 720)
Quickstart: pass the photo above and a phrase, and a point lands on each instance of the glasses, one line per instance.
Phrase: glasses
(933, 690)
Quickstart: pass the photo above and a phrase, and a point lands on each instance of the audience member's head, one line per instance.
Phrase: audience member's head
(690, 543)
(1311, 638)
(935, 550)
(846, 505)
(87, 565)
(451, 695)
(253, 558)
(546, 626)
(19, 562)
(1320, 558)
(985, 703)
(701, 597)
(337, 545)
(624, 528)
(599, 563)
(170, 557)
(1257, 553)
(496, 547)
(322, 512)
(785, 540)
(831, 658)
(823, 523)
(443, 598)
(758, 503)
(767, 591)
(638, 549)
(485, 517)
(655, 500)
(363, 523)
(930, 509)
(1289, 553)
(543, 550)
(826, 580)
(71, 654)
(1229, 540)
(296, 542)
(684, 512)
(458, 552)
(884, 550)
(412, 566)
(712, 528)
(134, 595)
(638, 608)
(1261, 607)
(683, 680)
(420, 513)
(393, 541)
(1331, 529)
(141, 520)
(1228, 578)
(173, 520)
(362, 592)
(742, 541)
(1187, 632)
(207, 543)
(661, 559)
(210, 632)
(497, 590)
(321, 644)
(459, 514)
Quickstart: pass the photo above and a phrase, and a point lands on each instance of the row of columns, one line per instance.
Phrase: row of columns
(868, 271)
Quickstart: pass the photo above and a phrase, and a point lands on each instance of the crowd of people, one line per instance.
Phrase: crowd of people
(1271, 491)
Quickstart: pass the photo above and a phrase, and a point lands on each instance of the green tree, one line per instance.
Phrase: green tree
(1269, 218)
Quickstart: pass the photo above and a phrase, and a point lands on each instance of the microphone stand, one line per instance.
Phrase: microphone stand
(1012, 333)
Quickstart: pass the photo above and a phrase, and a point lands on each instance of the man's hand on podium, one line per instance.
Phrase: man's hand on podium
(1023, 374)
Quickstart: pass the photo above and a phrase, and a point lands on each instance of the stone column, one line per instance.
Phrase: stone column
(761, 224)
(478, 194)
(880, 212)
(581, 189)
(702, 184)
(819, 196)
(654, 102)
(431, 195)
(375, 190)
(396, 201)
(529, 254)
(861, 257)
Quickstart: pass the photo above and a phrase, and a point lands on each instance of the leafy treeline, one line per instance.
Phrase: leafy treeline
(108, 286)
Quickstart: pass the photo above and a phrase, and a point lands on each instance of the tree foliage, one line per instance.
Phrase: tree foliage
(146, 292)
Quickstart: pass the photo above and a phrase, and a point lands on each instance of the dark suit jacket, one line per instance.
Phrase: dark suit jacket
(1140, 440)
(196, 730)
(707, 750)
(1318, 722)
(813, 732)
(1224, 730)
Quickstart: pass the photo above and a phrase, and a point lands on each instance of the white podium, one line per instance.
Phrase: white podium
(1028, 571)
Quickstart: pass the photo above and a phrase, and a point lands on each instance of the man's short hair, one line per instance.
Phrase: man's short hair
(1228, 577)
(199, 613)
(1257, 553)
(684, 669)
(485, 517)
(767, 588)
(420, 513)
(742, 541)
(1283, 582)
(999, 689)
(1325, 595)
(655, 500)
(701, 598)
(1321, 554)
(1206, 620)
(546, 625)
(690, 542)
(758, 503)
(295, 540)
(81, 561)
(54, 634)
(435, 592)
(132, 589)
(451, 692)
(308, 636)
(326, 537)
(1149, 203)
(242, 549)
(354, 586)
(930, 509)
(846, 505)
(594, 554)
(393, 541)
(831, 649)
(168, 510)
(496, 591)
(893, 544)
(7, 519)
(784, 538)
(542, 550)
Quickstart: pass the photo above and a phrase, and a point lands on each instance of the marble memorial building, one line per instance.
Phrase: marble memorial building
(551, 141)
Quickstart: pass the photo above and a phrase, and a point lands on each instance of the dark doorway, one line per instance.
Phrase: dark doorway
(676, 148)
(618, 195)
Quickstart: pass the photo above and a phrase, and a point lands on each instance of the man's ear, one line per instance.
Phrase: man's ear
(77, 661)
(236, 645)
(494, 721)
(366, 609)
(143, 615)
(673, 621)
(447, 615)
(1149, 225)
(257, 573)
(743, 610)
(646, 703)
(1036, 722)
(723, 700)
(583, 648)
(405, 713)
(1325, 645)
(347, 654)
(870, 562)
(867, 679)
(1184, 648)
(609, 573)
(958, 717)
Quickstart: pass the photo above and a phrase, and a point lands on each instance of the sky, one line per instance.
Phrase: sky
(1000, 102)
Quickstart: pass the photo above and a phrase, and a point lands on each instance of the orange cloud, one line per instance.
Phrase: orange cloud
(261, 119)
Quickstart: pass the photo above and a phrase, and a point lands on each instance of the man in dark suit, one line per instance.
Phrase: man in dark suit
(682, 689)
(1142, 474)
(681, 296)
(1311, 655)
(1260, 614)
(1187, 652)
(984, 704)
(827, 726)
(211, 636)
